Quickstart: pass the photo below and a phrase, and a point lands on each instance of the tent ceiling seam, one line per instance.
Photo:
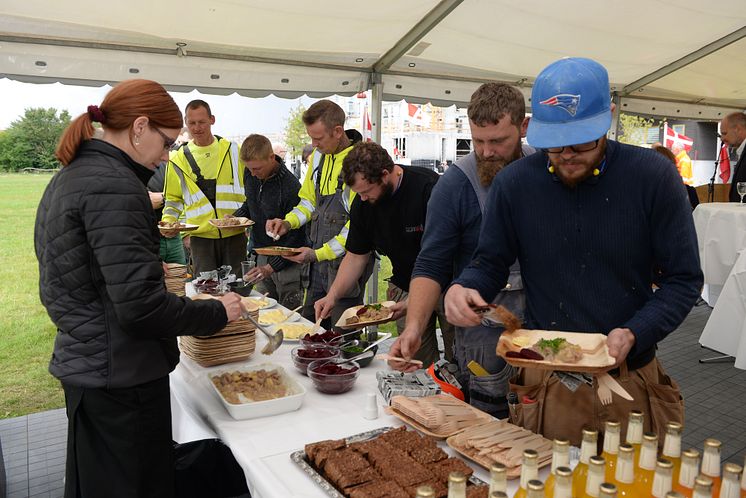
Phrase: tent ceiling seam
(685, 61)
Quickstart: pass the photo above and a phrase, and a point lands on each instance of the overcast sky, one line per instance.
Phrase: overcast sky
(234, 114)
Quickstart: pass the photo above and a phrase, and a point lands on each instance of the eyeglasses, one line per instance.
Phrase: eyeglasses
(588, 146)
(168, 142)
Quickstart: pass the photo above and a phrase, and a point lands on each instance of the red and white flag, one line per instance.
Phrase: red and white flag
(671, 138)
(414, 113)
(367, 126)
(724, 164)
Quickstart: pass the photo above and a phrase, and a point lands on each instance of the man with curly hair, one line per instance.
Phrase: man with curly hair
(387, 216)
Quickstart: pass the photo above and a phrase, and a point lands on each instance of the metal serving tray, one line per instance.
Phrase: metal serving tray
(299, 458)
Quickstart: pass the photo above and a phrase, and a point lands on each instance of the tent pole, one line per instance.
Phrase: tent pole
(376, 112)
(614, 130)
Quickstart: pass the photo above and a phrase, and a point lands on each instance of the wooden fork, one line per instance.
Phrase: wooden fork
(604, 393)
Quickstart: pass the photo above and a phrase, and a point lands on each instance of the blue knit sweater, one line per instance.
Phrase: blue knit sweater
(588, 253)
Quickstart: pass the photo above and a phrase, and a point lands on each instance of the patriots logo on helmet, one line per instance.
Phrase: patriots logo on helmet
(566, 101)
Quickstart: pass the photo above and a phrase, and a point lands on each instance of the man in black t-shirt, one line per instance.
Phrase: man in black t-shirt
(387, 216)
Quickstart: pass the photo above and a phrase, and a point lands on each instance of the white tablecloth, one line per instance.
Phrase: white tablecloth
(721, 234)
(263, 446)
(725, 330)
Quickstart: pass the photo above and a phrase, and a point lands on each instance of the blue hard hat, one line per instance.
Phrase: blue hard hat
(570, 104)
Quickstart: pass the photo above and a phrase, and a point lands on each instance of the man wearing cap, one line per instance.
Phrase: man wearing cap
(588, 219)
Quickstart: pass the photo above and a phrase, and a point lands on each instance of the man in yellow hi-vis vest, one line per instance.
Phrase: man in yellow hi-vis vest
(204, 181)
(324, 203)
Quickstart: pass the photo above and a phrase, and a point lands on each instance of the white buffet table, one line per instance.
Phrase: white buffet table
(721, 234)
(263, 446)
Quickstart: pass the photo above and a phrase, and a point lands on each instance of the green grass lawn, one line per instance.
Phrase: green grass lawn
(26, 333)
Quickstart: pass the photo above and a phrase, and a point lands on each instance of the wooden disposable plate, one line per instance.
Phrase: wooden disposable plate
(514, 440)
(482, 417)
(596, 358)
(350, 312)
(184, 227)
(244, 222)
(276, 251)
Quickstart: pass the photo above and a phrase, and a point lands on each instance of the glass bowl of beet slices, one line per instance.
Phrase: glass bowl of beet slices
(327, 338)
(304, 355)
(330, 378)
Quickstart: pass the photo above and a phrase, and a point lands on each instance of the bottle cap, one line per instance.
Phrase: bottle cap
(370, 412)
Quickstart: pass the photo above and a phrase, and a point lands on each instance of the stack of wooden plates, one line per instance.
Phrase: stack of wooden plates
(235, 342)
(175, 278)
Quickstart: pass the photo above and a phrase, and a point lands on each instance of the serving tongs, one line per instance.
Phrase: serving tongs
(273, 340)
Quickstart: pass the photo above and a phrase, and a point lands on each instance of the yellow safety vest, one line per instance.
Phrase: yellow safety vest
(182, 195)
(328, 182)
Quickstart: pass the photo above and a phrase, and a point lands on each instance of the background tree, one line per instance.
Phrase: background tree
(29, 142)
(635, 129)
(295, 131)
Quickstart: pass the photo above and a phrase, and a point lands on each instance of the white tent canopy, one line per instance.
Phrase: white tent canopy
(682, 58)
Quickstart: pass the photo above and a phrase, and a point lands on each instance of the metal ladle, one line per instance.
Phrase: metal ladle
(274, 341)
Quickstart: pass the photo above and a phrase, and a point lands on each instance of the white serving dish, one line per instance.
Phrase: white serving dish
(256, 409)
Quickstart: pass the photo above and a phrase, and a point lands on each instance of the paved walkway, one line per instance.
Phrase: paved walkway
(34, 446)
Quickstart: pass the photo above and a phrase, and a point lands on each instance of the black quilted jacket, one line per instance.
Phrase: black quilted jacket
(100, 278)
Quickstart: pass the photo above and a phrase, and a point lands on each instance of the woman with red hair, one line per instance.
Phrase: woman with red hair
(102, 284)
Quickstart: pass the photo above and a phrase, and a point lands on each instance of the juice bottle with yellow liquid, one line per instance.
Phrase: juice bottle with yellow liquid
(425, 492)
(674, 494)
(662, 484)
(529, 472)
(634, 432)
(560, 458)
(535, 489)
(596, 472)
(498, 478)
(702, 487)
(711, 464)
(672, 448)
(588, 448)
(456, 485)
(731, 488)
(624, 476)
(645, 469)
(608, 490)
(562, 483)
(688, 473)
(611, 447)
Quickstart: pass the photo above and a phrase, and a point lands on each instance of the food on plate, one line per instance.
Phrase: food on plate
(245, 387)
(270, 317)
(171, 225)
(522, 341)
(559, 350)
(525, 354)
(294, 330)
(393, 464)
(227, 221)
(256, 302)
(369, 313)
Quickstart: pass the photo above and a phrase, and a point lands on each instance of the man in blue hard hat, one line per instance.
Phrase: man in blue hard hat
(588, 219)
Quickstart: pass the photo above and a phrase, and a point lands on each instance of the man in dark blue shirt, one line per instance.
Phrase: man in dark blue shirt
(589, 219)
(497, 119)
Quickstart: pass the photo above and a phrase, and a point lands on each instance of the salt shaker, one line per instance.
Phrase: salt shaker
(370, 411)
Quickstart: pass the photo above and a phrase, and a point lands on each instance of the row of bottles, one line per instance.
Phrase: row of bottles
(634, 467)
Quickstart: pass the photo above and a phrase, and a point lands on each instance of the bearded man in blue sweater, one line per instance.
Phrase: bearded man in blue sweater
(590, 221)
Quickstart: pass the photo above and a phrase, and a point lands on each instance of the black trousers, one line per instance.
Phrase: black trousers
(119, 442)
(210, 254)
